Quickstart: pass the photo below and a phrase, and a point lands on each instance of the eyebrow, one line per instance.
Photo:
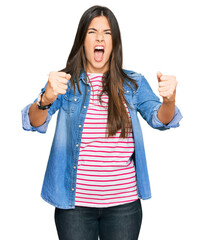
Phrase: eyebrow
(106, 30)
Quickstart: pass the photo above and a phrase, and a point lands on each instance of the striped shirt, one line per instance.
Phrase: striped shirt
(106, 172)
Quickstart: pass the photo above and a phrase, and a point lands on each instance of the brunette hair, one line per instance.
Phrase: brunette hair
(114, 78)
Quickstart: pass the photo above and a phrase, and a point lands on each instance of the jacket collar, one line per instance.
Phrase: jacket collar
(83, 77)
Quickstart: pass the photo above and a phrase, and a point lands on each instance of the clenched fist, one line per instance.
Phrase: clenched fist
(57, 84)
(167, 87)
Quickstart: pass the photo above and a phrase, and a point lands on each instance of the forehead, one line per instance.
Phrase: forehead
(100, 23)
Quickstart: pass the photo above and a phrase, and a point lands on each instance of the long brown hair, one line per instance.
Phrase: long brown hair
(114, 78)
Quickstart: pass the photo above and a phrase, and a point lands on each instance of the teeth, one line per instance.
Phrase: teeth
(99, 48)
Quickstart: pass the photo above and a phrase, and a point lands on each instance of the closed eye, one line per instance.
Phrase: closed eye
(107, 31)
(92, 30)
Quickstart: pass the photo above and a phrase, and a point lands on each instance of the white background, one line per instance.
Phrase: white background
(159, 35)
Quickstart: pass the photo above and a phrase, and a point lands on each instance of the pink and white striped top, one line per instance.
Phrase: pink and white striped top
(106, 172)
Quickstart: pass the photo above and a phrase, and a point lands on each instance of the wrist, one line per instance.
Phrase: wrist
(169, 101)
(44, 100)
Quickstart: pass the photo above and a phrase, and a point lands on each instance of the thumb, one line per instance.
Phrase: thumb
(159, 74)
(68, 76)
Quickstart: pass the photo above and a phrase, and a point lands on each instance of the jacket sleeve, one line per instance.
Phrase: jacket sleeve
(148, 105)
(43, 128)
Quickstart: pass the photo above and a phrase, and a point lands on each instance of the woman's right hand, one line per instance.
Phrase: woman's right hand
(57, 84)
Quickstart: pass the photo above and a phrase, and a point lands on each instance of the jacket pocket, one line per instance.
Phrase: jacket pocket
(70, 102)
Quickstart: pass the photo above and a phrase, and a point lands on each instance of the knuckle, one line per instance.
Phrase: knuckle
(52, 74)
(62, 74)
(55, 93)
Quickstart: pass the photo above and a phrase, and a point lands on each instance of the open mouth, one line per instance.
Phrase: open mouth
(98, 53)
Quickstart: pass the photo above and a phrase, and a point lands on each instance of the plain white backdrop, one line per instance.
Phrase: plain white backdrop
(159, 35)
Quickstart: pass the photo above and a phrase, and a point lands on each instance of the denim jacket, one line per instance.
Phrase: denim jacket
(59, 184)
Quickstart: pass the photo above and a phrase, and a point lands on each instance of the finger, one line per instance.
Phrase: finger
(159, 74)
(62, 86)
(64, 75)
(167, 78)
(62, 80)
(62, 89)
(163, 84)
(61, 74)
(68, 76)
(163, 89)
(164, 94)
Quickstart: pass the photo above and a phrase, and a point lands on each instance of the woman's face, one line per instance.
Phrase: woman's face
(98, 45)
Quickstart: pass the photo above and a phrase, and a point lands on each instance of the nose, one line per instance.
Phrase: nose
(99, 37)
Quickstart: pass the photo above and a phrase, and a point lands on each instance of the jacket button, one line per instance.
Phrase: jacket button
(80, 125)
(72, 189)
(77, 145)
(84, 106)
(127, 91)
(75, 99)
(74, 167)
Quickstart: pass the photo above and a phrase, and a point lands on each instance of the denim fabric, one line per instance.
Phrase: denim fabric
(121, 222)
(59, 184)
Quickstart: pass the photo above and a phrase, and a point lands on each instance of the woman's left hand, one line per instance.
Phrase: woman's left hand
(167, 87)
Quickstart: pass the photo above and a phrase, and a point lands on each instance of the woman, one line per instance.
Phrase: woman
(97, 173)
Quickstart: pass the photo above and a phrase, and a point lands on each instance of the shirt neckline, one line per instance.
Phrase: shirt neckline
(99, 74)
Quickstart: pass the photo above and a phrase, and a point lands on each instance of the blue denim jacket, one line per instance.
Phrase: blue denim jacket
(60, 178)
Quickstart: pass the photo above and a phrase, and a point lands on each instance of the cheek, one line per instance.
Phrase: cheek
(87, 53)
(110, 48)
(88, 48)
(109, 45)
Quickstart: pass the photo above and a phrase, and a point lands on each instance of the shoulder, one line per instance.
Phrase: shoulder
(138, 77)
(132, 73)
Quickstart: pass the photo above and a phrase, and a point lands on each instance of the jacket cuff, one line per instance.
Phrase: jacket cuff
(174, 122)
(27, 125)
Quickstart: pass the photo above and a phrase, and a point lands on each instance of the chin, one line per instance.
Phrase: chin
(101, 66)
